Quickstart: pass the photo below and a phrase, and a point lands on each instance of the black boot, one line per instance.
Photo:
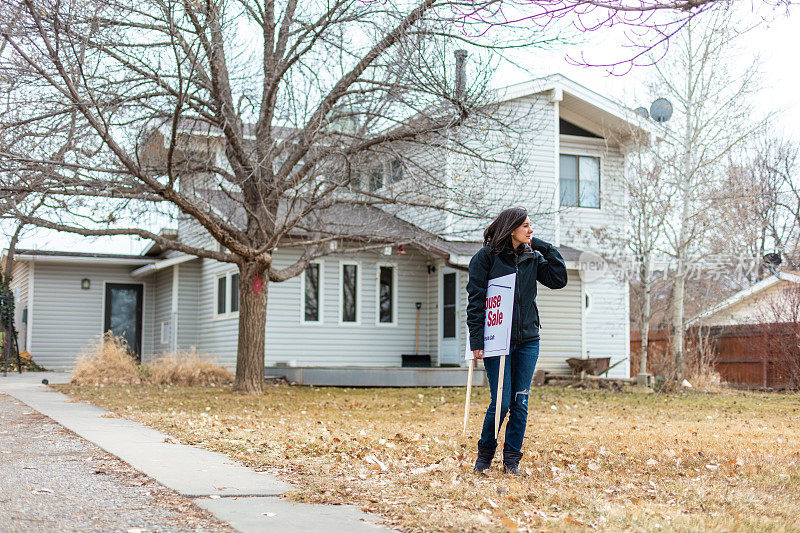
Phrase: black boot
(484, 460)
(511, 461)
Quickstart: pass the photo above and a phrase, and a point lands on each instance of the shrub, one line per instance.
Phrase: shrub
(107, 362)
(187, 368)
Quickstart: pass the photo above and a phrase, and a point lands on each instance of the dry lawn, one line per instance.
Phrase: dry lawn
(594, 460)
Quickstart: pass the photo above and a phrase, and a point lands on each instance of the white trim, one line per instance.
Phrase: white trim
(359, 288)
(556, 174)
(555, 82)
(460, 331)
(173, 342)
(160, 265)
(395, 294)
(320, 296)
(584, 312)
(234, 314)
(30, 258)
(228, 314)
(31, 288)
(741, 295)
(215, 314)
(578, 153)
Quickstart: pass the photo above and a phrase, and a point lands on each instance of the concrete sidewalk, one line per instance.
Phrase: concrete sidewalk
(246, 499)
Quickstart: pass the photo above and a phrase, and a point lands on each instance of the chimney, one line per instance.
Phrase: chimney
(461, 78)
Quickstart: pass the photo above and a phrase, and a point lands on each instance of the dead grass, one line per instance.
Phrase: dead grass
(190, 369)
(106, 362)
(594, 459)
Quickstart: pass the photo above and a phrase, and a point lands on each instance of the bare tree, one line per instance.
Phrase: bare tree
(712, 118)
(262, 124)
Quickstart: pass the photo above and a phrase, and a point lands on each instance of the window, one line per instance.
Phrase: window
(349, 292)
(311, 289)
(449, 305)
(375, 179)
(235, 293)
(222, 288)
(387, 313)
(226, 295)
(396, 171)
(579, 181)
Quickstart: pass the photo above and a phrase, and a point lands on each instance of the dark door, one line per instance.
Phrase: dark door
(123, 314)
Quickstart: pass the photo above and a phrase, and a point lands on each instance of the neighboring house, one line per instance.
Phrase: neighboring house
(365, 309)
(754, 333)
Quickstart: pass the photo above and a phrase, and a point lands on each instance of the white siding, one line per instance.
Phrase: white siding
(162, 309)
(188, 305)
(577, 224)
(607, 326)
(67, 319)
(530, 141)
(330, 343)
(559, 312)
(20, 276)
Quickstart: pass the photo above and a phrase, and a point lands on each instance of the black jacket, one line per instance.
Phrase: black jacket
(542, 263)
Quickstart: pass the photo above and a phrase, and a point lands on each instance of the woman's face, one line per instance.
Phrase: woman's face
(522, 234)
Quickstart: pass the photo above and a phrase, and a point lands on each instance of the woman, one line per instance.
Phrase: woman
(510, 248)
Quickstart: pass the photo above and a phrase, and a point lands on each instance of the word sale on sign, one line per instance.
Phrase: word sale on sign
(494, 317)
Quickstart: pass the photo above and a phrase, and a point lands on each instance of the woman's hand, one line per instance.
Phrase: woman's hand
(477, 354)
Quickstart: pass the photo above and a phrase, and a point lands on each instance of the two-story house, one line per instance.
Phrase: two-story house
(367, 309)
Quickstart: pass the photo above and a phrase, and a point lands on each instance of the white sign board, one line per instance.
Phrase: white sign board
(499, 314)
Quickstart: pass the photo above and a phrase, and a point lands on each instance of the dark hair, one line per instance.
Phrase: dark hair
(498, 234)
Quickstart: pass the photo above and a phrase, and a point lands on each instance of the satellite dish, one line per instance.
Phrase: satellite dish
(661, 110)
(642, 112)
(773, 259)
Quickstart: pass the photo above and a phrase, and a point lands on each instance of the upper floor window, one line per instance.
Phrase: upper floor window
(375, 179)
(579, 181)
(396, 170)
(226, 296)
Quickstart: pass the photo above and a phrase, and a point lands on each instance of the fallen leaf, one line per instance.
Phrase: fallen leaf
(509, 524)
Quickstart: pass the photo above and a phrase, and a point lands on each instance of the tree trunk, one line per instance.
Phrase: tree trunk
(679, 293)
(644, 317)
(252, 328)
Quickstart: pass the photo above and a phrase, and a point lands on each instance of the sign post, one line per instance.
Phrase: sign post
(496, 337)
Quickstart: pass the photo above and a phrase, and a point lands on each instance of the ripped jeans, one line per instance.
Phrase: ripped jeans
(519, 367)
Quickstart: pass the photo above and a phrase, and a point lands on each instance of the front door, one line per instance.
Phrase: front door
(449, 354)
(123, 314)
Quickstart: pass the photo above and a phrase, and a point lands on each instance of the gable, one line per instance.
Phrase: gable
(568, 128)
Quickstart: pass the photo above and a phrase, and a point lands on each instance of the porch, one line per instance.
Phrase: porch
(361, 376)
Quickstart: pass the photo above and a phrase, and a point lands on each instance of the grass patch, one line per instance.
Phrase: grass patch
(594, 459)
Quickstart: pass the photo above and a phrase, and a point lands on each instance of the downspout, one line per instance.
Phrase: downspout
(174, 306)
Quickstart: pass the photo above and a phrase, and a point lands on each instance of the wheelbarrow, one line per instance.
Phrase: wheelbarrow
(594, 366)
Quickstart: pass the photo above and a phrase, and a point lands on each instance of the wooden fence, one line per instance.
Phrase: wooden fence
(743, 355)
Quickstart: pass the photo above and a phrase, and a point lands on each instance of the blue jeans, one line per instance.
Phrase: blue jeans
(519, 367)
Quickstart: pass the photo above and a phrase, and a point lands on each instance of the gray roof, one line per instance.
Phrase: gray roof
(56, 253)
(469, 248)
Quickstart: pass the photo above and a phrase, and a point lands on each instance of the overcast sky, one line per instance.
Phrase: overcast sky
(776, 42)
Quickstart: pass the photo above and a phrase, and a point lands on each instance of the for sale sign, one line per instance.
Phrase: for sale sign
(499, 314)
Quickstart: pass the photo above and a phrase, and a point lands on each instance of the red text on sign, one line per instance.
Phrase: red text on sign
(494, 318)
